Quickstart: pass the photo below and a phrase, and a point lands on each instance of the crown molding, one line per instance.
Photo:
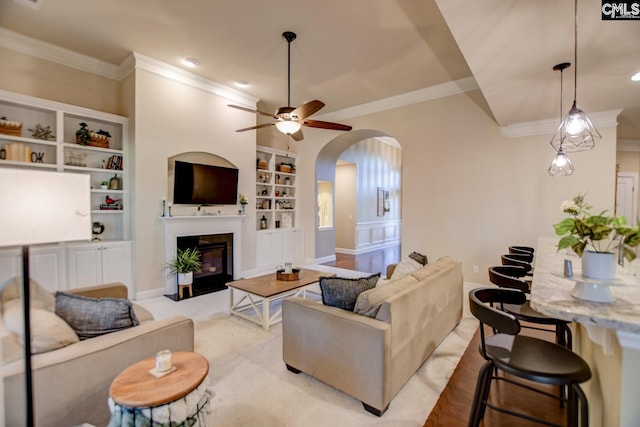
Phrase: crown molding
(168, 71)
(421, 95)
(50, 52)
(57, 54)
(602, 119)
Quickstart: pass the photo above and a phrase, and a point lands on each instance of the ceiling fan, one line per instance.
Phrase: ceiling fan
(289, 120)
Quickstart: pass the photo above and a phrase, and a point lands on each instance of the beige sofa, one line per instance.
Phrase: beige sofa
(372, 358)
(71, 384)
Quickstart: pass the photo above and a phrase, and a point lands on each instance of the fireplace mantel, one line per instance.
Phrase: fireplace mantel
(179, 226)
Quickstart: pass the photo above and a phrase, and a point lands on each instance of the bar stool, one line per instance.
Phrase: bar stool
(514, 249)
(509, 276)
(524, 357)
(522, 260)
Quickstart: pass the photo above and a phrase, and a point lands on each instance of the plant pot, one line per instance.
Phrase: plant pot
(599, 265)
(185, 278)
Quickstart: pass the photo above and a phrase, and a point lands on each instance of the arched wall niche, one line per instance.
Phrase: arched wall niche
(325, 170)
(200, 157)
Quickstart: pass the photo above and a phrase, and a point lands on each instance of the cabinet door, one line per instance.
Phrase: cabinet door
(263, 256)
(116, 263)
(299, 245)
(47, 267)
(10, 265)
(288, 246)
(84, 266)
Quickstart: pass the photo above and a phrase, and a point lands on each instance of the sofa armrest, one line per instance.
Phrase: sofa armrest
(348, 351)
(107, 290)
(72, 383)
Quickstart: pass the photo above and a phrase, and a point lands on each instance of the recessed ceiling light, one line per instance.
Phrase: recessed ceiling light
(242, 83)
(190, 62)
(636, 77)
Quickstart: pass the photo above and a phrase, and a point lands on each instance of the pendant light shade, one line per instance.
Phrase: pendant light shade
(576, 132)
(561, 165)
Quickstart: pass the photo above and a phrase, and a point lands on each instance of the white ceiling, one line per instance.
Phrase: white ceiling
(357, 51)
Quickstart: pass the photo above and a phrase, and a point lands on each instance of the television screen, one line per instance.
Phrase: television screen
(196, 184)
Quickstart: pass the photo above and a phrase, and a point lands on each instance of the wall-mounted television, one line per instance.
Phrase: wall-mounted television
(196, 184)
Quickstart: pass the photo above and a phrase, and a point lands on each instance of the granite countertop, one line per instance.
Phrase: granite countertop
(551, 292)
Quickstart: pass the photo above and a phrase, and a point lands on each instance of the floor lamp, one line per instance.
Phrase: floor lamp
(41, 207)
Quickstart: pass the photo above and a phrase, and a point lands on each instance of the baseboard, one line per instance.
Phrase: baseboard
(149, 294)
(366, 249)
(328, 258)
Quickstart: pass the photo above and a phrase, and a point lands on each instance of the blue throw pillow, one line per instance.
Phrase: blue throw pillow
(90, 317)
(343, 292)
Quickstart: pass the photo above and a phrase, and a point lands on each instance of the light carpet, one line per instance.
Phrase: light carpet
(252, 387)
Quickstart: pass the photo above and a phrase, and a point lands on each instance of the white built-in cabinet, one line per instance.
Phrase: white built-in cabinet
(71, 265)
(275, 247)
(104, 262)
(278, 240)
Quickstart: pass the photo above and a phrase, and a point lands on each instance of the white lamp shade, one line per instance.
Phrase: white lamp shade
(288, 126)
(43, 207)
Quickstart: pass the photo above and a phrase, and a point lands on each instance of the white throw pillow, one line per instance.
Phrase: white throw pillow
(48, 331)
(404, 267)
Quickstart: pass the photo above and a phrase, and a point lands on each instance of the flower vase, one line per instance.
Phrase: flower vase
(599, 265)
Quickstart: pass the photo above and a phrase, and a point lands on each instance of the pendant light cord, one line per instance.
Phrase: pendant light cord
(575, 50)
(288, 73)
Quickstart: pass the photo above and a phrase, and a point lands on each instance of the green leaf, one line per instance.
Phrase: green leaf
(565, 226)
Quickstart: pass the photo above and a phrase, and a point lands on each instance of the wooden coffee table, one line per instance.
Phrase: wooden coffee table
(257, 293)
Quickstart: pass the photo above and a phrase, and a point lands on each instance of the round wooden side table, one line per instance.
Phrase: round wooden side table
(135, 388)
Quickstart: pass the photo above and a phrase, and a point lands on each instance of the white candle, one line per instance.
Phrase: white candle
(164, 198)
(163, 361)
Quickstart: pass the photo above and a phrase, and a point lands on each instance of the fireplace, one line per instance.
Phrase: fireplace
(179, 227)
(216, 255)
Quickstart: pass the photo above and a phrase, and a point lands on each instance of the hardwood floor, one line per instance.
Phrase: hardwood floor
(454, 404)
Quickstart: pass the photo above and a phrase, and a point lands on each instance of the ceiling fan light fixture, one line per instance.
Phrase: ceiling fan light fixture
(288, 126)
(636, 77)
(191, 62)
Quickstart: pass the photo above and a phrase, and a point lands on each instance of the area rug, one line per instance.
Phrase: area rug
(251, 386)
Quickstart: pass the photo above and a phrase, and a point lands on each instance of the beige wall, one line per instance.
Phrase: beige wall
(469, 192)
(44, 79)
(174, 118)
(346, 206)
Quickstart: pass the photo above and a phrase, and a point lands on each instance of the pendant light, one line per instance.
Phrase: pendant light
(561, 164)
(576, 132)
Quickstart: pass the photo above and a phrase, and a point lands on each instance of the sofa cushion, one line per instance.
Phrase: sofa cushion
(39, 296)
(91, 317)
(342, 292)
(404, 267)
(48, 331)
(369, 302)
(419, 258)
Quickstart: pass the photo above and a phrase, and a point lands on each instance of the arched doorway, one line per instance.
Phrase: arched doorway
(358, 181)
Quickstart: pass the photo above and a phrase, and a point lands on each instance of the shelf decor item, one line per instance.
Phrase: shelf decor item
(99, 139)
(42, 132)
(83, 135)
(9, 127)
(242, 199)
(594, 237)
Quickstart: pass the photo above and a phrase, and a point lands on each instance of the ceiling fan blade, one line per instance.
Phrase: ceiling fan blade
(297, 136)
(252, 111)
(325, 125)
(264, 125)
(307, 109)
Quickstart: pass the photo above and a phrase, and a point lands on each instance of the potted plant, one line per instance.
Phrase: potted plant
(83, 135)
(184, 264)
(104, 185)
(594, 237)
